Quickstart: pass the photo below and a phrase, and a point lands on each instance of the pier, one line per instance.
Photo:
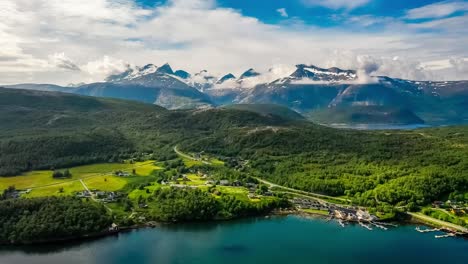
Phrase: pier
(446, 235)
(426, 230)
(341, 223)
(365, 226)
(379, 226)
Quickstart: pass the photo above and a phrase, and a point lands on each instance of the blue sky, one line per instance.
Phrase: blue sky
(316, 14)
(62, 41)
(266, 10)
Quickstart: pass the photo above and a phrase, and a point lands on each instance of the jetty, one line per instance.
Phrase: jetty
(446, 235)
(388, 224)
(426, 230)
(365, 226)
(379, 226)
(341, 223)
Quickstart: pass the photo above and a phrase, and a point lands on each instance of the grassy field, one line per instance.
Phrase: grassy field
(190, 162)
(239, 192)
(144, 193)
(195, 180)
(29, 180)
(314, 211)
(67, 188)
(96, 176)
(106, 183)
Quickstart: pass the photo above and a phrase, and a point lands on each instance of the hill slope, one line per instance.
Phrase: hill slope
(268, 109)
(44, 130)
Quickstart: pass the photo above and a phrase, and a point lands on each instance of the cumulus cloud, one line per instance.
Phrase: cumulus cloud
(282, 12)
(197, 34)
(105, 66)
(460, 65)
(337, 4)
(61, 61)
(437, 10)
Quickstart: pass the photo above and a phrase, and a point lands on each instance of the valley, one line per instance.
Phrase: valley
(148, 164)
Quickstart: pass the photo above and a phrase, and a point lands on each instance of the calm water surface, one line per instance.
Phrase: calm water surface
(276, 240)
(379, 126)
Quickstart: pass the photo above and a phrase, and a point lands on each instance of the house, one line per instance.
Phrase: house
(224, 182)
(122, 174)
(210, 182)
(114, 227)
(83, 194)
(100, 193)
(252, 196)
(251, 185)
(237, 183)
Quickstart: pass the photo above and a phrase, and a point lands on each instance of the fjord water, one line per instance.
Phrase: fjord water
(275, 240)
(379, 126)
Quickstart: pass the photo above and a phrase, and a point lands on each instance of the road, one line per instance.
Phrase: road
(438, 222)
(89, 191)
(301, 192)
(189, 157)
(93, 196)
(270, 183)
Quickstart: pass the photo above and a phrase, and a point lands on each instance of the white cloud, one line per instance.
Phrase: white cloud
(437, 10)
(105, 66)
(61, 61)
(282, 12)
(192, 35)
(337, 4)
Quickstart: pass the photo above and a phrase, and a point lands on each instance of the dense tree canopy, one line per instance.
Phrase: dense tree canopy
(42, 219)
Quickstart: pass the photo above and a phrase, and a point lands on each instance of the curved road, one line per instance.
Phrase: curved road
(301, 192)
(438, 222)
(188, 156)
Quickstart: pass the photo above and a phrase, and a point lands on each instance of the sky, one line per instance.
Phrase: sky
(74, 41)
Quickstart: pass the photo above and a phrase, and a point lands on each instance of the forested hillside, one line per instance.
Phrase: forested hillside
(48, 219)
(44, 130)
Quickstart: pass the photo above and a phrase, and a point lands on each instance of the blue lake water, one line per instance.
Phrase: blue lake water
(379, 126)
(274, 240)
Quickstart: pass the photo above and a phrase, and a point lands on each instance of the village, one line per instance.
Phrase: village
(342, 214)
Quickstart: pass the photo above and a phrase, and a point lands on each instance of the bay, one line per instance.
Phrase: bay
(290, 239)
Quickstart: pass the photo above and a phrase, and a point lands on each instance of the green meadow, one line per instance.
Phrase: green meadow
(96, 176)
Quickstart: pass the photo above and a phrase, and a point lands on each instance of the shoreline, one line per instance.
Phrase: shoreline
(153, 224)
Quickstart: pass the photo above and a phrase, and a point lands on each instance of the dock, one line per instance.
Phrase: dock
(341, 223)
(379, 226)
(365, 226)
(445, 236)
(426, 230)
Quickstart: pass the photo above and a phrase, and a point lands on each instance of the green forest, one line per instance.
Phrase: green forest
(54, 131)
(44, 219)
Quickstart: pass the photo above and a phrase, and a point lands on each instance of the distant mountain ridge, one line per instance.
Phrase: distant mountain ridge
(307, 89)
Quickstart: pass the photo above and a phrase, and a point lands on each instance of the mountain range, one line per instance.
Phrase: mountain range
(325, 95)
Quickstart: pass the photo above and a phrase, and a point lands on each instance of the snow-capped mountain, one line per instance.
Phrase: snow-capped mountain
(310, 74)
(158, 85)
(226, 78)
(202, 80)
(132, 73)
(250, 73)
(306, 89)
